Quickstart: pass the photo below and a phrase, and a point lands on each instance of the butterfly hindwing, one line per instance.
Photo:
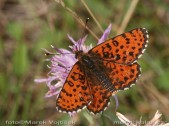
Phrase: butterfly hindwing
(75, 93)
(124, 48)
(100, 99)
(122, 75)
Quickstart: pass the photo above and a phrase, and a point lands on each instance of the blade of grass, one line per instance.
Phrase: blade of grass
(74, 14)
(92, 15)
(127, 16)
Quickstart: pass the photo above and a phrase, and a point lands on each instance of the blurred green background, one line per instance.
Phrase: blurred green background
(26, 26)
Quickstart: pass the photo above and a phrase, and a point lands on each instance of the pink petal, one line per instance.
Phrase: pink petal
(105, 35)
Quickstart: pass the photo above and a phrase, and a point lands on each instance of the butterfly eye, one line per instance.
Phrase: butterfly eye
(77, 53)
(81, 51)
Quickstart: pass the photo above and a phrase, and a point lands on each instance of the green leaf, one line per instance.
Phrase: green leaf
(162, 81)
(3, 85)
(20, 60)
(15, 30)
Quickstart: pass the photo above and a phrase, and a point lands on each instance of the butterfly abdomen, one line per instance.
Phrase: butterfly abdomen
(97, 72)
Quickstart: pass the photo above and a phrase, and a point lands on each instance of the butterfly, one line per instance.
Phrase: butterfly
(102, 71)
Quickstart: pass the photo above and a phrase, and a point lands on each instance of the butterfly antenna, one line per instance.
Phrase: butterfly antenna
(85, 28)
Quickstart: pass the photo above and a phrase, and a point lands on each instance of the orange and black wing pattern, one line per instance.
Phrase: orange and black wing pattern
(75, 93)
(116, 60)
(100, 98)
(123, 76)
(125, 48)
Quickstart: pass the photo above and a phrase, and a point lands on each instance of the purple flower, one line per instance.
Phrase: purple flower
(63, 61)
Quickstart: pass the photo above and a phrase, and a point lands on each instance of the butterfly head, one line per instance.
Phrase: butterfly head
(78, 54)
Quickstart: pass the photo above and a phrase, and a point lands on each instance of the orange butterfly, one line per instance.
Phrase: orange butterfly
(103, 70)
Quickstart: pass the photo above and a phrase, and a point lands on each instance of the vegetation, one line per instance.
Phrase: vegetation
(27, 26)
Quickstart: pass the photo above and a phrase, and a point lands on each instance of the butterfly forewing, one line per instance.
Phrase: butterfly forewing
(124, 48)
(75, 93)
